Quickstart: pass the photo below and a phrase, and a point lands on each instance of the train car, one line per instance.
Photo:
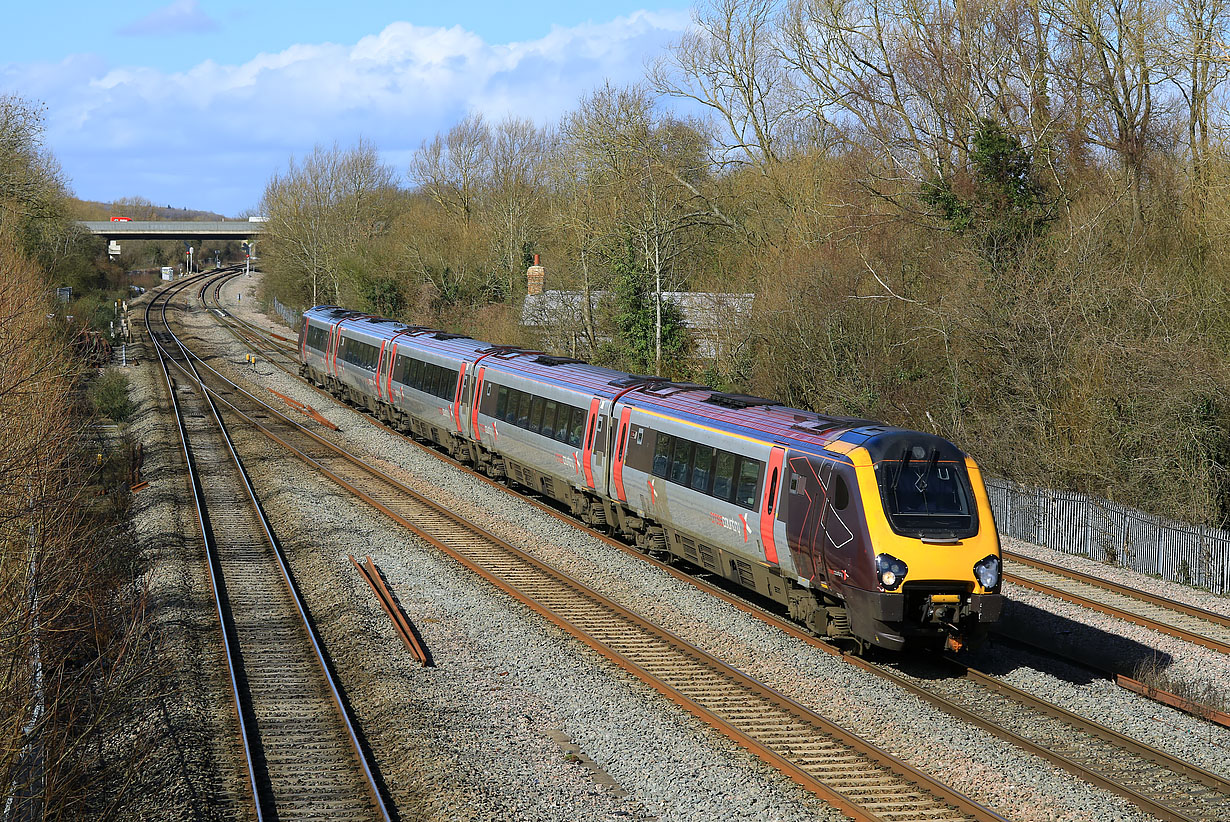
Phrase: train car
(544, 421)
(869, 534)
(865, 532)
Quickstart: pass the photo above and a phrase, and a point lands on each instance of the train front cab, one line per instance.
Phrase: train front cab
(934, 550)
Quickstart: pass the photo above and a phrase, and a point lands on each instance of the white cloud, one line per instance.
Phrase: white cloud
(180, 17)
(216, 125)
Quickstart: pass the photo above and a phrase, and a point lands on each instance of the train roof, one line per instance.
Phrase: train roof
(742, 414)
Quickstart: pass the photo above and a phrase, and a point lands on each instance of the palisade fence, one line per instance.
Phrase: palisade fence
(1108, 532)
(292, 318)
(1078, 524)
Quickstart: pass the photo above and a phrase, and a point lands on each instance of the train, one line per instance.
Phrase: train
(869, 534)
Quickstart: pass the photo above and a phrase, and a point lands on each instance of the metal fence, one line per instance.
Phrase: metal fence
(1108, 532)
(292, 318)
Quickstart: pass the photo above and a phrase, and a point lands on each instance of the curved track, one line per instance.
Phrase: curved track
(302, 754)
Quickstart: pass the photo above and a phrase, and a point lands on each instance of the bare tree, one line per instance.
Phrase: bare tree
(730, 63)
(1124, 39)
(324, 209)
(453, 168)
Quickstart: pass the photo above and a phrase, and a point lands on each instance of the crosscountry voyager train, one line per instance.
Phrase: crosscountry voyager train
(869, 534)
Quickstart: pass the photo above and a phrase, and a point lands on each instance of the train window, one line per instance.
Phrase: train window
(536, 414)
(501, 401)
(596, 442)
(841, 493)
(549, 411)
(316, 337)
(523, 411)
(662, 454)
(681, 461)
(749, 476)
(724, 475)
(702, 466)
(514, 402)
(577, 432)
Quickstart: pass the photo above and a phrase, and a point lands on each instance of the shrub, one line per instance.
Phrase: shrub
(109, 395)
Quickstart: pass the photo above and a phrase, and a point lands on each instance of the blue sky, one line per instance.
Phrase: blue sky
(195, 103)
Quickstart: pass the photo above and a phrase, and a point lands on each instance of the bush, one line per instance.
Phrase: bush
(109, 396)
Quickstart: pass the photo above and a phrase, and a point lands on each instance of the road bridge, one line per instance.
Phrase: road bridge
(173, 229)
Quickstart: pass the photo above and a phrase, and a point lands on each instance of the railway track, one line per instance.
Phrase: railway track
(302, 755)
(1163, 785)
(1196, 625)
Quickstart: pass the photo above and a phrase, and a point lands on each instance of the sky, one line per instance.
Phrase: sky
(196, 103)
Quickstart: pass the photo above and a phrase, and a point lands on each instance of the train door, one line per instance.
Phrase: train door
(599, 456)
(806, 498)
(617, 456)
(587, 442)
(768, 506)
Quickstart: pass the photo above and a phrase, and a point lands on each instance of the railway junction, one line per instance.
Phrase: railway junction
(574, 678)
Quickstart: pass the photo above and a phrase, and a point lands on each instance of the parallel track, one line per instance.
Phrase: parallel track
(1165, 786)
(1196, 625)
(850, 773)
(301, 751)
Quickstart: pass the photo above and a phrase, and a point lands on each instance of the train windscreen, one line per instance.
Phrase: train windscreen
(925, 487)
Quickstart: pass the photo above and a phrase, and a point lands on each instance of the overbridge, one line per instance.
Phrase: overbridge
(174, 229)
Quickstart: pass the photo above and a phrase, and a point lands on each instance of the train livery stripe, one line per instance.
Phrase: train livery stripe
(461, 385)
(768, 510)
(478, 397)
(587, 452)
(388, 385)
(617, 464)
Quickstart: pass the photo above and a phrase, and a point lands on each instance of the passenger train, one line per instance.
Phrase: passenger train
(866, 533)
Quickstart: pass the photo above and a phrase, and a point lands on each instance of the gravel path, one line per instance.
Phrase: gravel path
(1012, 782)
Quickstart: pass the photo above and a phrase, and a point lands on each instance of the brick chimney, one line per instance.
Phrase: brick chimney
(535, 275)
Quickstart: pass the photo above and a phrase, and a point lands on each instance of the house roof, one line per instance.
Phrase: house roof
(702, 310)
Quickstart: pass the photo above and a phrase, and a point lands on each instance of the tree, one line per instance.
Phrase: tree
(1006, 207)
(1124, 39)
(323, 210)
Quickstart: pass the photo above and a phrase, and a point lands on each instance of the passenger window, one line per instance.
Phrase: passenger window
(501, 402)
(548, 418)
(749, 474)
(536, 415)
(523, 411)
(724, 476)
(576, 431)
(662, 454)
(681, 463)
(701, 466)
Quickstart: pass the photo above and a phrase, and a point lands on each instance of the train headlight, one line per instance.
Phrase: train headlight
(891, 571)
(987, 571)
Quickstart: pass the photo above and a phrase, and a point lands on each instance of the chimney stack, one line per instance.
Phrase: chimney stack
(535, 275)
